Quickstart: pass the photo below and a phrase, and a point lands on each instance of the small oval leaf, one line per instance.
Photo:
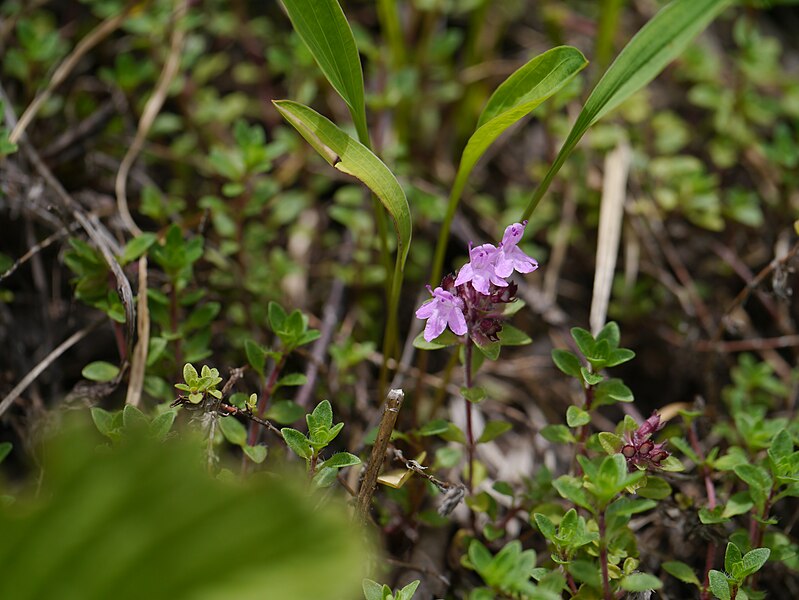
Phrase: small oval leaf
(100, 371)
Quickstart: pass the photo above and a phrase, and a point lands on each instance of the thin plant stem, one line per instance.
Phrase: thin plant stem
(388, 14)
(443, 235)
(45, 363)
(467, 376)
(609, 13)
(174, 316)
(390, 338)
(393, 286)
(584, 430)
(263, 401)
(151, 110)
(756, 527)
(710, 489)
(543, 186)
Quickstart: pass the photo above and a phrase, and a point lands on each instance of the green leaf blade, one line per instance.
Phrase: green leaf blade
(233, 431)
(719, 585)
(297, 442)
(515, 98)
(754, 559)
(341, 460)
(324, 29)
(681, 571)
(100, 371)
(658, 42)
(353, 158)
(640, 582)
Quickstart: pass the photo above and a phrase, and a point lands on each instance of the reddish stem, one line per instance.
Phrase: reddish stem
(173, 314)
(710, 489)
(584, 430)
(263, 401)
(756, 528)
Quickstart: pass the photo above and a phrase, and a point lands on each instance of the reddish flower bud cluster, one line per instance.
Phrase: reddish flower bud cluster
(640, 451)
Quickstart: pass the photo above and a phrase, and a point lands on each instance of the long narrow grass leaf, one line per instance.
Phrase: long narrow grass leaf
(350, 156)
(515, 98)
(321, 24)
(658, 42)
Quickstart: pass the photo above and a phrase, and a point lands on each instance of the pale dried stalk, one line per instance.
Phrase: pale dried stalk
(139, 359)
(611, 212)
(151, 110)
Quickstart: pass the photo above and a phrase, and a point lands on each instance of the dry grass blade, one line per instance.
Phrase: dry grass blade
(614, 192)
(139, 359)
(46, 362)
(151, 110)
(99, 236)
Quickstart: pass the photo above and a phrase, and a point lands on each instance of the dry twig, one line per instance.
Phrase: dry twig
(390, 413)
(46, 362)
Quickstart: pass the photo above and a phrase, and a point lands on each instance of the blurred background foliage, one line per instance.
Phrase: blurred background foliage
(141, 518)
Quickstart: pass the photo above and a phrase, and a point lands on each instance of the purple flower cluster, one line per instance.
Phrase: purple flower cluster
(639, 449)
(466, 303)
